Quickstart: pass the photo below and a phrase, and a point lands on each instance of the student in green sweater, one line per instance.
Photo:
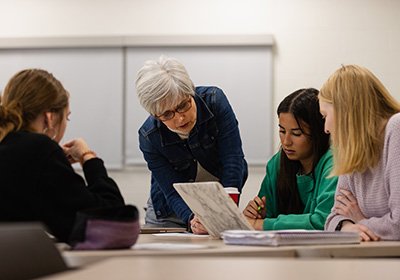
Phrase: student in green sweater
(296, 192)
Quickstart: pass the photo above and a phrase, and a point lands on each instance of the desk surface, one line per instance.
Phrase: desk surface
(164, 246)
(200, 268)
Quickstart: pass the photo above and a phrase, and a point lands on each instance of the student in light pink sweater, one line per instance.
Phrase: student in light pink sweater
(364, 122)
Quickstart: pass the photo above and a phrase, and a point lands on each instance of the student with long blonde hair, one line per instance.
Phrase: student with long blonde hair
(364, 122)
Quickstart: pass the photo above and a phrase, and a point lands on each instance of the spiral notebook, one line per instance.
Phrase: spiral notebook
(289, 237)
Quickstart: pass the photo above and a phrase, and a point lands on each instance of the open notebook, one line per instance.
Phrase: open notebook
(213, 206)
(289, 237)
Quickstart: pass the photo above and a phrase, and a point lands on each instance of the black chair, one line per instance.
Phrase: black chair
(27, 252)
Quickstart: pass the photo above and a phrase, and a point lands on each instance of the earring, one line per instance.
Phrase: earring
(45, 130)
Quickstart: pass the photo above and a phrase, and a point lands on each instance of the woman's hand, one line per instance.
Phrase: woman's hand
(347, 206)
(197, 227)
(77, 151)
(255, 209)
(365, 233)
(257, 224)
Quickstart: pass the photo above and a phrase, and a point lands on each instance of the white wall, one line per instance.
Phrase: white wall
(313, 37)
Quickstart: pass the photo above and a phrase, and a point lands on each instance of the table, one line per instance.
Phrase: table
(208, 247)
(201, 246)
(379, 249)
(240, 268)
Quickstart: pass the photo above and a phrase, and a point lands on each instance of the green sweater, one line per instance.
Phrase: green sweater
(318, 197)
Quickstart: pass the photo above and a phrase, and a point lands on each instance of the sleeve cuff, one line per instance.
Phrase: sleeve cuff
(189, 228)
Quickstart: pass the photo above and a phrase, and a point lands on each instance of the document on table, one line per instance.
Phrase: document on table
(169, 246)
(289, 237)
(183, 234)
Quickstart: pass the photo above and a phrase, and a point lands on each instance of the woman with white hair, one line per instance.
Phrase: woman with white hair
(191, 135)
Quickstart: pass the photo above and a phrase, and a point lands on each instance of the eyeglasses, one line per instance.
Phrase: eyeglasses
(183, 107)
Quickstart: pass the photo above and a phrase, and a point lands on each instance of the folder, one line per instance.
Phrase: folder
(289, 237)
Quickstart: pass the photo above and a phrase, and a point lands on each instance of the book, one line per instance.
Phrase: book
(213, 206)
(289, 237)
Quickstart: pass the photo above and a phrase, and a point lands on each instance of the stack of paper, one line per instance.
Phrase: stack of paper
(288, 237)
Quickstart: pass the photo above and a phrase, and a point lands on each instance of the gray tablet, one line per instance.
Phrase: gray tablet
(149, 230)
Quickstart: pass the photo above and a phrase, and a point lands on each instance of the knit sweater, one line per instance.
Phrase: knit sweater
(377, 190)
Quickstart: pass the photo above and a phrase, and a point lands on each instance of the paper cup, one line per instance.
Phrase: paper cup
(234, 194)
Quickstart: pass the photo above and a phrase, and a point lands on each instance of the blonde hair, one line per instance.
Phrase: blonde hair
(361, 106)
(27, 94)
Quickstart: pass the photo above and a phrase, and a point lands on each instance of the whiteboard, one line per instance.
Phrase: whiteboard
(104, 106)
(244, 73)
(94, 79)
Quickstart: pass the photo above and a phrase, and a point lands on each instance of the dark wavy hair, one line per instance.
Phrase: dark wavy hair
(304, 106)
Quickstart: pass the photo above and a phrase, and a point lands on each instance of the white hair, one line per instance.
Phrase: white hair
(162, 83)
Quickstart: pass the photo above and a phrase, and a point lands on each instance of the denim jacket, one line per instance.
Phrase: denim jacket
(214, 142)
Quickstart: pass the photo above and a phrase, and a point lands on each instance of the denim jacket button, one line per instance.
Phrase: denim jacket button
(191, 180)
(158, 213)
(194, 160)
